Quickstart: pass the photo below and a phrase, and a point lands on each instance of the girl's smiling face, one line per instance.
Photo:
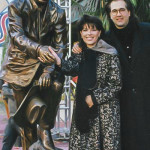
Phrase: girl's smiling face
(90, 35)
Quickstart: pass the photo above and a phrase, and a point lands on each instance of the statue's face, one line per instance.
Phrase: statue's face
(43, 1)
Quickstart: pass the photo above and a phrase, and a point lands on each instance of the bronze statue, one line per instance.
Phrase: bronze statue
(34, 25)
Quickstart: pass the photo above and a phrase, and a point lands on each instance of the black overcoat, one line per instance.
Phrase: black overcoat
(135, 94)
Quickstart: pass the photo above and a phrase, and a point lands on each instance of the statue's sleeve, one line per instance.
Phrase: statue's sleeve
(16, 31)
(60, 34)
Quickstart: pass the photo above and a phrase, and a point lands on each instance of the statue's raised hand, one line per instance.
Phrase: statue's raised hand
(45, 55)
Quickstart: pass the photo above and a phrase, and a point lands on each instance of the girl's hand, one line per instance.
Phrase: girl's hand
(57, 59)
(76, 49)
(89, 101)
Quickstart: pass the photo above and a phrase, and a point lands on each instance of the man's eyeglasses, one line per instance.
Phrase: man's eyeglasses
(122, 11)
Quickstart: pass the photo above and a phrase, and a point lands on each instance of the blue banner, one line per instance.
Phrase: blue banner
(3, 27)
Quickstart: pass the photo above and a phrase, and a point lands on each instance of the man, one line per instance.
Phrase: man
(132, 40)
(34, 25)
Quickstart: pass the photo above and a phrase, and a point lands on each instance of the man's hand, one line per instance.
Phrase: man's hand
(45, 55)
(76, 49)
(89, 101)
(44, 80)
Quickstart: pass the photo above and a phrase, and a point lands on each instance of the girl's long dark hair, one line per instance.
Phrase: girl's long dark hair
(89, 20)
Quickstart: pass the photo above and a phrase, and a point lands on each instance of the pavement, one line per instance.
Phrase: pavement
(60, 140)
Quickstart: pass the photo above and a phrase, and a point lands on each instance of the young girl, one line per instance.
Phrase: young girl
(96, 116)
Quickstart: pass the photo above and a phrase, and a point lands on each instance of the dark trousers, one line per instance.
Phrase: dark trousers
(10, 135)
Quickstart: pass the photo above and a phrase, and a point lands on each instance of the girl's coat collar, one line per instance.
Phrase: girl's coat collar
(104, 47)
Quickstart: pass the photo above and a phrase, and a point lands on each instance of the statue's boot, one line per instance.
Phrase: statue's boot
(46, 139)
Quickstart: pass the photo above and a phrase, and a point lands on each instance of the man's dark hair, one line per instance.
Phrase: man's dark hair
(129, 7)
(89, 20)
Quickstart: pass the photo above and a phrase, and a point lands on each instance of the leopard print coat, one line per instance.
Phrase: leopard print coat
(104, 131)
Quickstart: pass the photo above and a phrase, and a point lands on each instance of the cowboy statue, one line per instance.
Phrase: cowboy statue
(34, 26)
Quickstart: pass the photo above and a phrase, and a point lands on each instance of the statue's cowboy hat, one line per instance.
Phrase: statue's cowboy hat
(31, 109)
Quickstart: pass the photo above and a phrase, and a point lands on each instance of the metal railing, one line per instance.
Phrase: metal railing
(63, 119)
